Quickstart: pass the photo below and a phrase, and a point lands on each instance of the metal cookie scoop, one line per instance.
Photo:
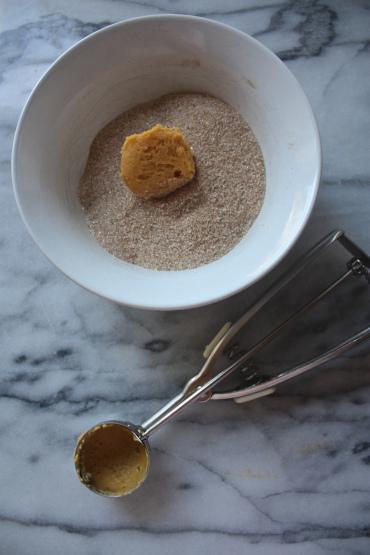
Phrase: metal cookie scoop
(112, 458)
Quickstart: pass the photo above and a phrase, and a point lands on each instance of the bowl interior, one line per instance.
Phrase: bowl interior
(133, 62)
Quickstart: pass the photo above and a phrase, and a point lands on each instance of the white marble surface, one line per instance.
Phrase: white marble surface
(287, 474)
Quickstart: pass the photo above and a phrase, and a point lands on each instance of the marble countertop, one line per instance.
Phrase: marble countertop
(285, 474)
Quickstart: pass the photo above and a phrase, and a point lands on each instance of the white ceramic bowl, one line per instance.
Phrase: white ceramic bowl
(132, 62)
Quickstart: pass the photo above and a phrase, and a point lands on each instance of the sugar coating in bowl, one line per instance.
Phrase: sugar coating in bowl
(195, 224)
(134, 62)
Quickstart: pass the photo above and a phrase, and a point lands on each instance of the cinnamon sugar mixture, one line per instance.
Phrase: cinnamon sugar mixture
(196, 224)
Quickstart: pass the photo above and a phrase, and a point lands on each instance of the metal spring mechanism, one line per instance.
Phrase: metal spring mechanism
(202, 385)
(358, 266)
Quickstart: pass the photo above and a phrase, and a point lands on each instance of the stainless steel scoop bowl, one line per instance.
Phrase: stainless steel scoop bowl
(90, 474)
(128, 443)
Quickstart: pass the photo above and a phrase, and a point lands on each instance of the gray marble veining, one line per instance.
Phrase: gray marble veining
(285, 474)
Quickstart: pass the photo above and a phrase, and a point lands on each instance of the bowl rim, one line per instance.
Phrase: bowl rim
(168, 17)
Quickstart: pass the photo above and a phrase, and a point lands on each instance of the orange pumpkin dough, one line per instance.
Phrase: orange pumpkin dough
(156, 162)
